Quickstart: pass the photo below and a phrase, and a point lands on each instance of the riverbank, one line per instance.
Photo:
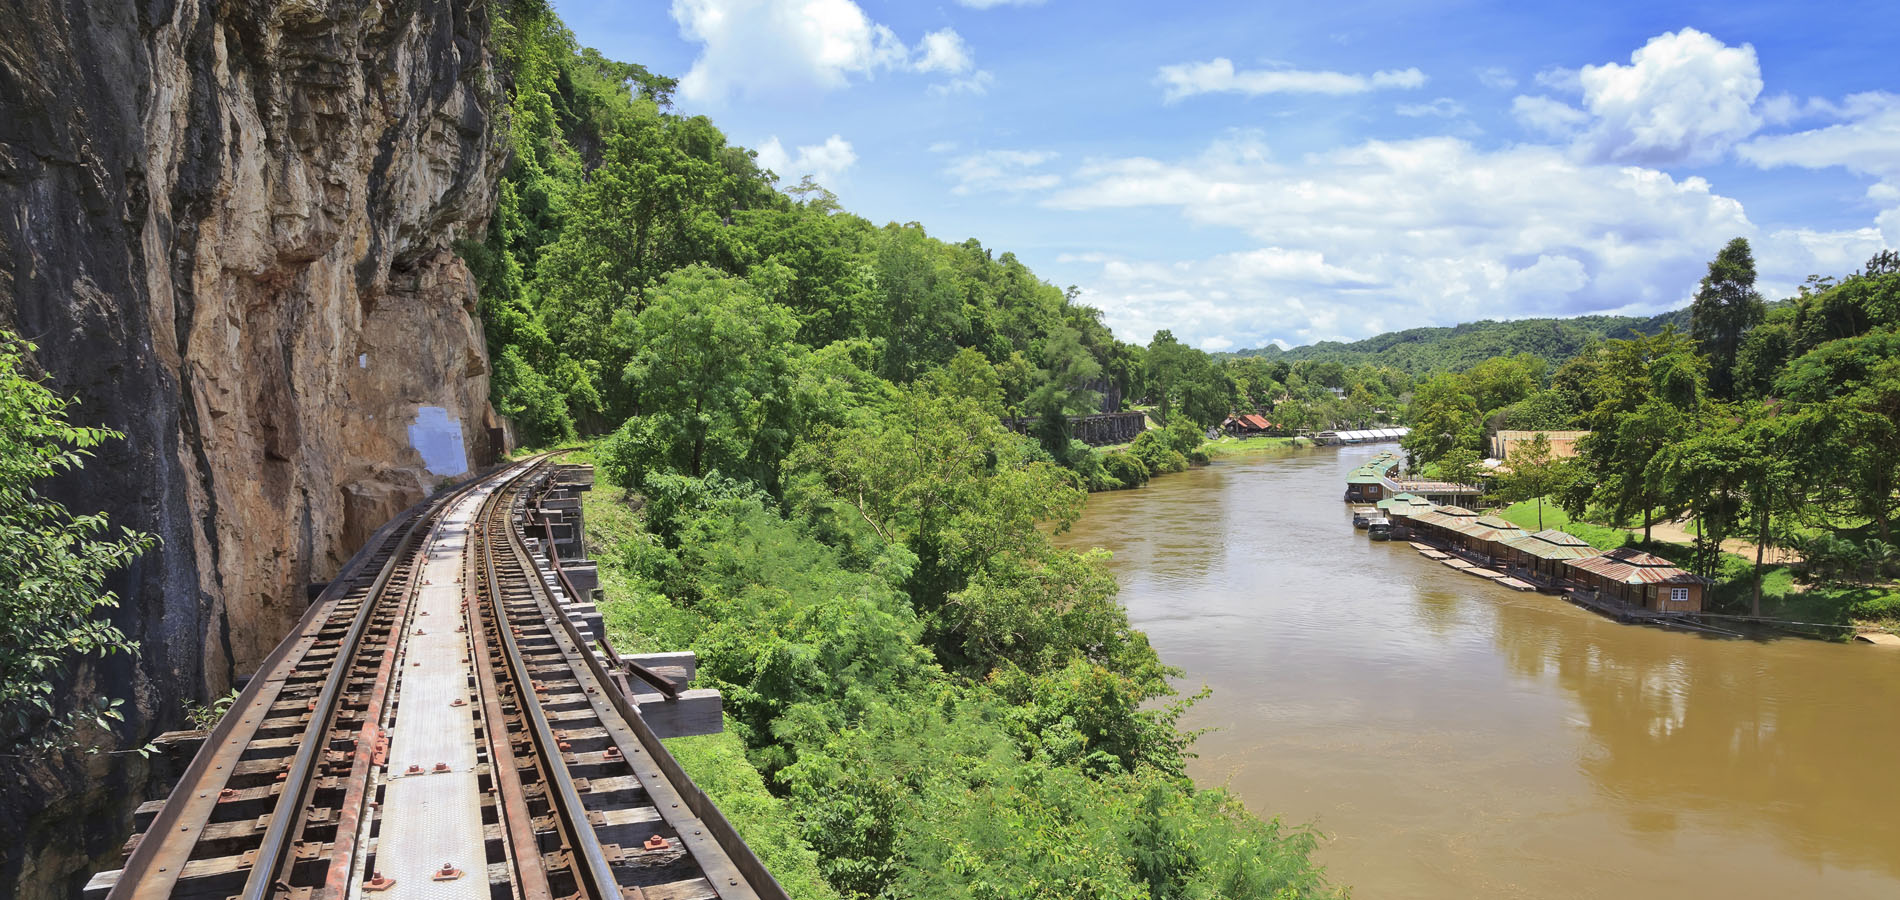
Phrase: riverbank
(1232, 446)
(1460, 743)
(1784, 598)
(879, 741)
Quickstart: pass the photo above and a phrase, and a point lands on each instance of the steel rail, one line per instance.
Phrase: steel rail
(660, 683)
(350, 815)
(672, 788)
(155, 866)
(599, 870)
(291, 800)
(523, 846)
(671, 779)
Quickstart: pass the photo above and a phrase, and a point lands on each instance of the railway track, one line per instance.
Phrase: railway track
(437, 727)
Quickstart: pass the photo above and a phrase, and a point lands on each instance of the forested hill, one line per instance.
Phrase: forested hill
(1423, 350)
(809, 483)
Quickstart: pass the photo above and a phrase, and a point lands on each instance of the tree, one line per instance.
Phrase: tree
(1650, 393)
(1845, 402)
(1532, 474)
(712, 375)
(1726, 306)
(1181, 378)
(919, 316)
(1461, 466)
(53, 567)
(1444, 417)
(1499, 382)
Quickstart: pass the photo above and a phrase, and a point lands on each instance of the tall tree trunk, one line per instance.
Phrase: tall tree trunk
(1649, 514)
(1761, 540)
(1540, 513)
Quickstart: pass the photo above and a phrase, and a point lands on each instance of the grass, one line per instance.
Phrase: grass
(1602, 537)
(1781, 596)
(1232, 446)
(716, 762)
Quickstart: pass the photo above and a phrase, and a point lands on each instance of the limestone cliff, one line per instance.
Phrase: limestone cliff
(228, 224)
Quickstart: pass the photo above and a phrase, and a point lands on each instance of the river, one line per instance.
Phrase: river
(1454, 739)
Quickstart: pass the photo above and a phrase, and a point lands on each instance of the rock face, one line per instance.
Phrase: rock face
(228, 225)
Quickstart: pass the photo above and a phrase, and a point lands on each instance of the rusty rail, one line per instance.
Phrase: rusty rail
(586, 800)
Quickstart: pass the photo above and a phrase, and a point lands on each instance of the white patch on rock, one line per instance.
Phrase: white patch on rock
(438, 437)
(362, 360)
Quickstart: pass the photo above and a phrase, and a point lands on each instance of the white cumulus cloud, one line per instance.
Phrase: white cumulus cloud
(943, 51)
(1384, 235)
(1685, 96)
(1218, 75)
(1443, 107)
(821, 161)
(1003, 171)
(765, 48)
(1549, 117)
(1868, 143)
(1497, 78)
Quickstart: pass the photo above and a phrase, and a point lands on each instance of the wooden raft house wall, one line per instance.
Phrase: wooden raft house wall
(1639, 579)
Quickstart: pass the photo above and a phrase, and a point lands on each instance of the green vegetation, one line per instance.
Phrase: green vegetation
(52, 573)
(1424, 351)
(1776, 425)
(811, 483)
(205, 716)
(1248, 445)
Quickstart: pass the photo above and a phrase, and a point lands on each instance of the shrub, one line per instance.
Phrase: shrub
(1126, 468)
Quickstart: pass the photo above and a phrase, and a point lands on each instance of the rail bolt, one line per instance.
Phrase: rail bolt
(415, 769)
(422, 612)
(226, 794)
(441, 767)
(447, 873)
(379, 883)
(656, 843)
(420, 631)
(458, 702)
(613, 752)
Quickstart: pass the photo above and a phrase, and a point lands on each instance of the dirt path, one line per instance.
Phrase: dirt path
(1676, 533)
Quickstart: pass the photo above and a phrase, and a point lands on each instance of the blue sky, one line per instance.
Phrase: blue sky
(1250, 172)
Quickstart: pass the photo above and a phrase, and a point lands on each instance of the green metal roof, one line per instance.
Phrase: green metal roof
(1553, 544)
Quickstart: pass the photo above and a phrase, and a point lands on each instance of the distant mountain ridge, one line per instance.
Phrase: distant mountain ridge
(1459, 347)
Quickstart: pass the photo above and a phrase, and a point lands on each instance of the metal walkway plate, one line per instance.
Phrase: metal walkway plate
(434, 818)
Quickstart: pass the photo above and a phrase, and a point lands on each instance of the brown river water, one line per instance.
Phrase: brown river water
(1454, 739)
